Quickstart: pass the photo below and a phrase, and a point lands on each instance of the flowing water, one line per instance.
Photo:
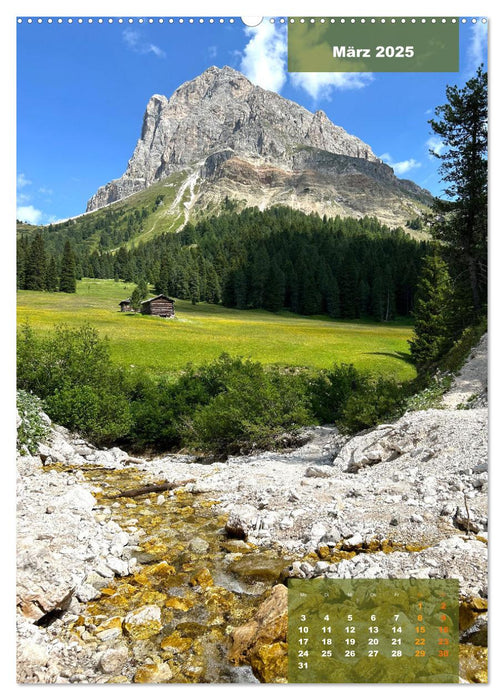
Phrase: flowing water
(203, 583)
(199, 583)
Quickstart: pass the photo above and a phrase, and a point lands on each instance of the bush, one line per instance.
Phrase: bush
(95, 413)
(457, 354)
(331, 389)
(430, 396)
(374, 402)
(253, 409)
(32, 428)
(353, 400)
(72, 372)
(67, 357)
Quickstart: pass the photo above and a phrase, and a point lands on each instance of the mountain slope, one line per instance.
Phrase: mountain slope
(232, 139)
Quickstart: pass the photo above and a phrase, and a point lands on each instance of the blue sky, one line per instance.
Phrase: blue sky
(82, 90)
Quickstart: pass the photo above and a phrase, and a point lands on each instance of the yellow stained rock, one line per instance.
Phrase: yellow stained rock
(203, 578)
(113, 622)
(176, 643)
(125, 589)
(324, 551)
(480, 676)
(153, 673)
(117, 679)
(143, 623)
(148, 597)
(108, 591)
(268, 626)
(270, 662)
(160, 569)
(178, 603)
(473, 663)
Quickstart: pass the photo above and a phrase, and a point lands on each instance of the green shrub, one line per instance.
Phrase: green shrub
(95, 413)
(457, 355)
(252, 411)
(33, 428)
(66, 357)
(375, 401)
(330, 390)
(430, 396)
(72, 372)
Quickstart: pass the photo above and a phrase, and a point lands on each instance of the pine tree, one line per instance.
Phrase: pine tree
(213, 288)
(21, 253)
(274, 290)
(136, 299)
(460, 221)
(163, 285)
(194, 285)
(143, 289)
(51, 276)
(333, 299)
(432, 312)
(35, 265)
(67, 275)
(240, 289)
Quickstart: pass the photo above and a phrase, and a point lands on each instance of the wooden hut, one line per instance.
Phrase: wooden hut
(159, 306)
(125, 305)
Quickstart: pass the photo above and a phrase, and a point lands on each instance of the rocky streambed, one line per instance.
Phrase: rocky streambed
(188, 584)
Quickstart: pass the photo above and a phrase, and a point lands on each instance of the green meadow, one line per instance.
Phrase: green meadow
(202, 332)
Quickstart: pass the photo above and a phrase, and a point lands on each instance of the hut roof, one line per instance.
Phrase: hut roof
(125, 301)
(159, 296)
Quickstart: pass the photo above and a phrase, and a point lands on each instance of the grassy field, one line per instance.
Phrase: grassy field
(202, 332)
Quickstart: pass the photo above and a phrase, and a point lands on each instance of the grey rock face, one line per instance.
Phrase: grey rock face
(221, 116)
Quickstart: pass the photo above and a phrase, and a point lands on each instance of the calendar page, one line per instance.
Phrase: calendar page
(252, 412)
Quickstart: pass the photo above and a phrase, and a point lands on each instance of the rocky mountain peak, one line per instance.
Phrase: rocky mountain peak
(221, 116)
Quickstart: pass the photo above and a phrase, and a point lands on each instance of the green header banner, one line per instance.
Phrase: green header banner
(380, 45)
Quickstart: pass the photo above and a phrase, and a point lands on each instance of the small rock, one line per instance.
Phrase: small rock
(317, 472)
(321, 567)
(356, 541)
(144, 622)
(306, 568)
(295, 570)
(480, 468)
(153, 673)
(240, 522)
(112, 660)
(317, 532)
(199, 545)
(286, 523)
(118, 566)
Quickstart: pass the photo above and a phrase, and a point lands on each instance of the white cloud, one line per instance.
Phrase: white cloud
(321, 85)
(264, 59)
(45, 190)
(134, 41)
(401, 167)
(435, 143)
(22, 181)
(29, 214)
(264, 62)
(477, 50)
